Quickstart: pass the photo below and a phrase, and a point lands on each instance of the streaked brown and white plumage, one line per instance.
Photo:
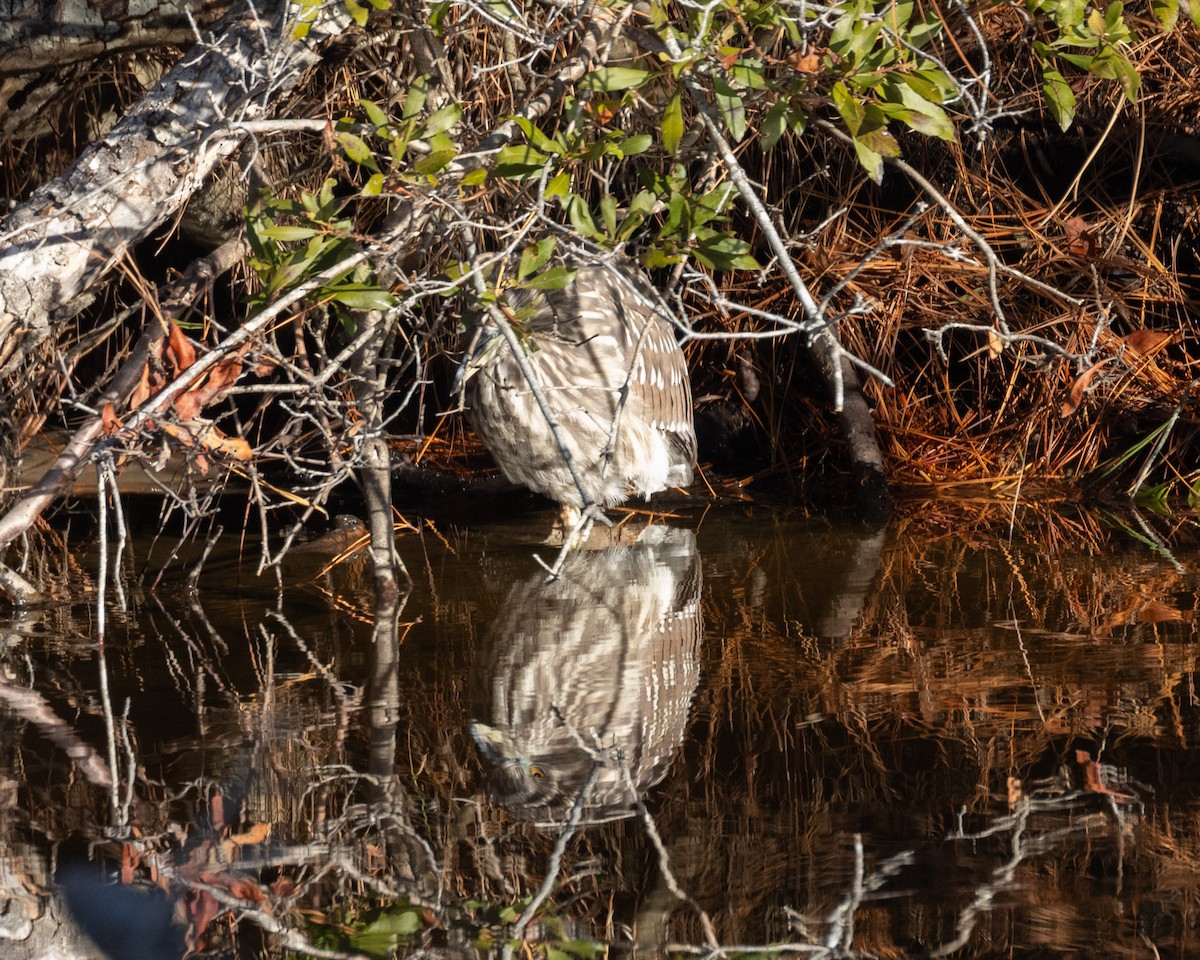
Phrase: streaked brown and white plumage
(615, 380)
(600, 664)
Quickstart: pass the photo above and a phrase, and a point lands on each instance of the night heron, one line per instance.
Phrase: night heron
(592, 678)
(604, 360)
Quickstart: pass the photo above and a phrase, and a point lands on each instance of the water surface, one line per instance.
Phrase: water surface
(907, 740)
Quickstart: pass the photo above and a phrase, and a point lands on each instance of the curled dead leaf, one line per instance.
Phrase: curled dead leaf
(1080, 387)
(208, 437)
(805, 62)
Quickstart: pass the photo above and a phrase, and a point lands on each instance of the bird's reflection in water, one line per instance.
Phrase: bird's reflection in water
(598, 666)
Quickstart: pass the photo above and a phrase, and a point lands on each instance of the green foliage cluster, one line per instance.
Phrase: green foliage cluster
(382, 929)
(764, 69)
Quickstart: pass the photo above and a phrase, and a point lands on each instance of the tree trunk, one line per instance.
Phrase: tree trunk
(72, 231)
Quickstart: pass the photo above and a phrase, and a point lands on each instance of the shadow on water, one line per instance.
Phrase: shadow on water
(754, 729)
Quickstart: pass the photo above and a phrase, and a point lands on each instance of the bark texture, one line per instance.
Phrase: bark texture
(73, 230)
(39, 35)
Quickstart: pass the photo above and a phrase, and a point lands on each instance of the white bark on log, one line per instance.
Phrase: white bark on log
(71, 231)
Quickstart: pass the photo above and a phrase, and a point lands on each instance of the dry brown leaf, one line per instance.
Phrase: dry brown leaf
(283, 887)
(216, 811)
(805, 62)
(188, 405)
(141, 393)
(210, 437)
(179, 350)
(1080, 386)
(201, 908)
(995, 345)
(265, 367)
(256, 834)
(241, 887)
(1092, 782)
(110, 420)
(129, 863)
(1081, 241)
(1147, 342)
(1155, 612)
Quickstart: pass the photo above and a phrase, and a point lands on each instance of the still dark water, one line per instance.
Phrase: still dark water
(752, 731)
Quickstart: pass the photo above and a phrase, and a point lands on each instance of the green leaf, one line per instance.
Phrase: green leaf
(442, 119)
(373, 187)
(643, 203)
(926, 28)
(774, 124)
(639, 143)
(1167, 12)
(386, 933)
(537, 138)
(898, 16)
(504, 12)
(534, 257)
(474, 177)
(613, 78)
(881, 141)
(434, 162)
(356, 149)
(1126, 72)
(363, 297)
(672, 123)
(285, 234)
(608, 213)
(718, 251)
(1114, 17)
(414, 100)
(732, 109)
(850, 110)
(559, 185)
(519, 162)
(748, 73)
(927, 118)
(581, 217)
(358, 13)
(871, 161)
(556, 278)
(1083, 61)
(712, 204)
(375, 113)
(1059, 97)
(1070, 13)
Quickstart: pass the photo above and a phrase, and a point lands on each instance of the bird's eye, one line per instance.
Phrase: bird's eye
(537, 773)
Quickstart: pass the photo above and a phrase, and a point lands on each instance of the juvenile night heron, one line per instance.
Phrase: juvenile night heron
(600, 664)
(605, 361)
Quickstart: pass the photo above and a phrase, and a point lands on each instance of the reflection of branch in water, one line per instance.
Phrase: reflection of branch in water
(555, 864)
(1023, 846)
(1025, 842)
